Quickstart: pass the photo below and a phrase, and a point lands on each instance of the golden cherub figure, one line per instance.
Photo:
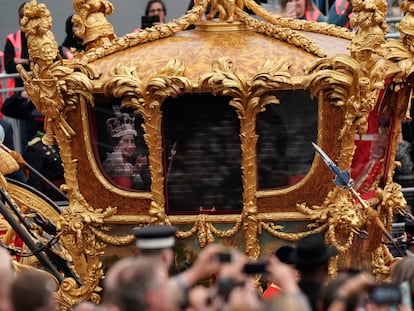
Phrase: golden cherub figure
(225, 8)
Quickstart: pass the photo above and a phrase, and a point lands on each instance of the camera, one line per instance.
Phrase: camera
(255, 267)
(148, 21)
(225, 257)
(386, 294)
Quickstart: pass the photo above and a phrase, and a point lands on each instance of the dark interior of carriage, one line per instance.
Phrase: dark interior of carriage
(201, 148)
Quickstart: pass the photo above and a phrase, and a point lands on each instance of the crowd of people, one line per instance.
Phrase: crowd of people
(221, 278)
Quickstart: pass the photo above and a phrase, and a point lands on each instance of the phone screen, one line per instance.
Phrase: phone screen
(148, 21)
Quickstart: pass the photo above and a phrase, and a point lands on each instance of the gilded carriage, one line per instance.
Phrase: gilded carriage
(225, 114)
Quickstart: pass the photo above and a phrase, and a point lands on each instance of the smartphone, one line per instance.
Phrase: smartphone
(148, 21)
(255, 267)
(386, 294)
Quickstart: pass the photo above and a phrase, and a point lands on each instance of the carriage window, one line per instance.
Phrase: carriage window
(117, 138)
(202, 154)
(286, 130)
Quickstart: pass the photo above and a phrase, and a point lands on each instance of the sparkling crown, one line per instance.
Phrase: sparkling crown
(120, 125)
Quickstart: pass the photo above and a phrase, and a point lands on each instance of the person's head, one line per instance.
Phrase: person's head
(300, 6)
(156, 7)
(112, 276)
(283, 302)
(32, 290)
(312, 254)
(409, 235)
(141, 284)
(39, 119)
(126, 145)
(331, 289)
(123, 133)
(403, 270)
(284, 254)
(21, 10)
(156, 241)
(6, 277)
(71, 28)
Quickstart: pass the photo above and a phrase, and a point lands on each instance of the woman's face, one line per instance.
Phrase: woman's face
(156, 9)
(126, 145)
(75, 27)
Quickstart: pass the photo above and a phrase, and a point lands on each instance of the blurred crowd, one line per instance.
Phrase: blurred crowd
(294, 278)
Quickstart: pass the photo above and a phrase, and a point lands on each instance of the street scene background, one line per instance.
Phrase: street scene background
(125, 19)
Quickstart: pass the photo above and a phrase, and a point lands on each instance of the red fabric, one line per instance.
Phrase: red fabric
(367, 164)
(271, 291)
(294, 179)
(363, 147)
(124, 181)
(312, 16)
(16, 241)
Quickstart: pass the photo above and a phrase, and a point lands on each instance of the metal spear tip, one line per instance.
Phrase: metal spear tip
(322, 154)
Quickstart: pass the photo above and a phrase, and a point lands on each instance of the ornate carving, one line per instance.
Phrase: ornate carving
(338, 217)
(248, 98)
(391, 201)
(226, 8)
(402, 52)
(146, 97)
(205, 230)
(95, 30)
(56, 89)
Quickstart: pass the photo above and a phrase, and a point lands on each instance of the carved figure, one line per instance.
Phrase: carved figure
(370, 18)
(95, 30)
(406, 28)
(217, 7)
(225, 8)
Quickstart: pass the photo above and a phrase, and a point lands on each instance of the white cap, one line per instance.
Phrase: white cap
(155, 237)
